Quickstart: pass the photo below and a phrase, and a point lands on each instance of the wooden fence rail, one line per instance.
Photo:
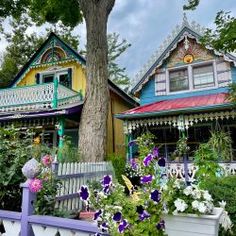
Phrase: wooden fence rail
(73, 176)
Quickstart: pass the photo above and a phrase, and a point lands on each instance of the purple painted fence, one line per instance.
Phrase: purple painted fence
(25, 223)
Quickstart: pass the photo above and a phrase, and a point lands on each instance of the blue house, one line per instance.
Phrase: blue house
(184, 86)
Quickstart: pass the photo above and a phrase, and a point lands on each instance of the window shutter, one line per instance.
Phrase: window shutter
(70, 77)
(37, 77)
(223, 73)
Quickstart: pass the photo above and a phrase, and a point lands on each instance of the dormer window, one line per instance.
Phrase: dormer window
(178, 80)
(64, 77)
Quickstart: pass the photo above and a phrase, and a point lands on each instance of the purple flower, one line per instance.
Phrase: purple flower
(106, 189)
(162, 162)
(123, 226)
(117, 216)
(84, 193)
(155, 196)
(161, 225)
(133, 163)
(147, 160)
(104, 227)
(146, 179)
(144, 215)
(97, 214)
(107, 180)
(35, 185)
(155, 152)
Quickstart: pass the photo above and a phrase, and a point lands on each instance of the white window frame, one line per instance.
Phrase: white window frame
(190, 77)
(56, 73)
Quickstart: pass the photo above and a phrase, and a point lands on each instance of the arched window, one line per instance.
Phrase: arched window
(53, 54)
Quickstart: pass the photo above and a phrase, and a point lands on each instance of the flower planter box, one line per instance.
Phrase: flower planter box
(193, 225)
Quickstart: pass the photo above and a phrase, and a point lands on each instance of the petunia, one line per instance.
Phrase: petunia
(123, 226)
(146, 179)
(155, 152)
(35, 185)
(107, 180)
(161, 162)
(147, 160)
(104, 227)
(117, 216)
(106, 189)
(133, 164)
(161, 225)
(131, 143)
(144, 215)
(84, 193)
(97, 214)
(155, 196)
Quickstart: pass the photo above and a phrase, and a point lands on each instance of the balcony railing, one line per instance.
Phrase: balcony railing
(37, 97)
(177, 169)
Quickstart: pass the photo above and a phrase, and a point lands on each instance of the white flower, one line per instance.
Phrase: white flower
(180, 205)
(202, 207)
(207, 196)
(222, 204)
(196, 194)
(188, 190)
(177, 183)
(195, 204)
(225, 221)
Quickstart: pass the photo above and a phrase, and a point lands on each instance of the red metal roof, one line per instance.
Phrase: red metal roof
(180, 103)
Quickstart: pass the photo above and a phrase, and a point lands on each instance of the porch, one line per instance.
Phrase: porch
(45, 96)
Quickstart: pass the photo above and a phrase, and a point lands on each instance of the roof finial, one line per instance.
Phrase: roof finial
(185, 19)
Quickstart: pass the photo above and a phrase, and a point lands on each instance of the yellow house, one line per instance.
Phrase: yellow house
(48, 93)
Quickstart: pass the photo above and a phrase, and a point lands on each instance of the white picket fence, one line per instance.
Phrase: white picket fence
(73, 176)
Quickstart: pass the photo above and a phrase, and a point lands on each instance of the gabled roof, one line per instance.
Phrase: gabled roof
(177, 106)
(40, 51)
(192, 30)
(78, 57)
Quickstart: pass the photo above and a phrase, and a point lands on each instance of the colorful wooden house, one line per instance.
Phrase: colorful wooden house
(183, 87)
(48, 93)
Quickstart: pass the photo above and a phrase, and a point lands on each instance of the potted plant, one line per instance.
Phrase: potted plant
(190, 211)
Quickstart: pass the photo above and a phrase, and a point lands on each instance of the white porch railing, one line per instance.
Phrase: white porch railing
(40, 96)
(177, 170)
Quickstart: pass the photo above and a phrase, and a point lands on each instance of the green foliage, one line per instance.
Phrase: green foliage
(224, 37)
(118, 163)
(191, 5)
(115, 49)
(69, 153)
(225, 188)
(221, 143)
(14, 152)
(145, 144)
(181, 147)
(205, 159)
(232, 93)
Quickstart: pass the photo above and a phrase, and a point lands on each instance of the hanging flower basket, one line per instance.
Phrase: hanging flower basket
(193, 225)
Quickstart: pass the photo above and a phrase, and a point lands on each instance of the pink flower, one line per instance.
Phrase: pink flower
(35, 185)
(47, 160)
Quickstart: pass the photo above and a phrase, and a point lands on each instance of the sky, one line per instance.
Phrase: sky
(146, 23)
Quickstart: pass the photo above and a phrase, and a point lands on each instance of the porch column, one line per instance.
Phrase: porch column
(60, 132)
(130, 147)
(55, 92)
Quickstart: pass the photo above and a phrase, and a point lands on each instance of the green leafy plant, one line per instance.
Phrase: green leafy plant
(118, 163)
(221, 142)
(145, 144)
(225, 188)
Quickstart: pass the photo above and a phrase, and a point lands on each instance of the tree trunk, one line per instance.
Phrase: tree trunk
(93, 124)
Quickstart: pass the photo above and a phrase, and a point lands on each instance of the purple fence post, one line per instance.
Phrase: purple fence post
(27, 209)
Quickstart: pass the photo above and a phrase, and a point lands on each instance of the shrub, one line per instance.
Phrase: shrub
(118, 163)
(225, 188)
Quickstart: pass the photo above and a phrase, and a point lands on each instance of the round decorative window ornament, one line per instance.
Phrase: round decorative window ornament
(188, 58)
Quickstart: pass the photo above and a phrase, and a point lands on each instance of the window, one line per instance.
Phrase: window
(203, 76)
(64, 77)
(47, 78)
(178, 80)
